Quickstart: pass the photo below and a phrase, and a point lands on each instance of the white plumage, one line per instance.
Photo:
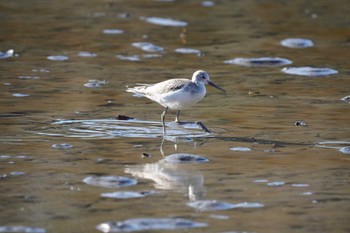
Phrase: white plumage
(176, 94)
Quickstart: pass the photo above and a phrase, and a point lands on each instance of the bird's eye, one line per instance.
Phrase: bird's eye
(203, 77)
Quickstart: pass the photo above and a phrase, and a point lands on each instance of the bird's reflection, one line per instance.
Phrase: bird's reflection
(173, 172)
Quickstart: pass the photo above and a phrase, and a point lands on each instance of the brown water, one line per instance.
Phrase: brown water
(42, 186)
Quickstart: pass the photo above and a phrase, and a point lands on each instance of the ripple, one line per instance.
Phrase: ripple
(112, 31)
(309, 71)
(185, 158)
(20, 95)
(259, 62)
(112, 128)
(188, 51)
(297, 43)
(212, 205)
(57, 58)
(341, 146)
(95, 83)
(242, 149)
(7, 54)
(346, 99)
(148, 47)
(25, 229)
(62, 146)
(109, 181)
(164, 21)
(146, 224)
(127, 194)
(86, 54)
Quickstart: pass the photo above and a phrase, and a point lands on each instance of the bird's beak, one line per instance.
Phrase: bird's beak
(216, 86)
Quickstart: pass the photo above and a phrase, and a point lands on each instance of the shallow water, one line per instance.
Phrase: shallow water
(280, 141)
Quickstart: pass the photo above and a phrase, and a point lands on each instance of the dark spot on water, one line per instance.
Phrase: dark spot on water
(123, 118)
(346, 99)
(146, 155)
(299, 123)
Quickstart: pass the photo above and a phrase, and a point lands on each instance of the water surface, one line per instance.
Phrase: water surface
(65, 116)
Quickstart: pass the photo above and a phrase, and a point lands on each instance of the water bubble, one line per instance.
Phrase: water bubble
(57, 58)
(242, 149)
(95, 83)
(297, 43)
(185, 158)
(20, 95)
(17, 173)
(148, 47)
(109, 181)
(112, 31)
(147, 224)
(307, 193)
(309, 71)
(127, 194)
(208, 3)
(7, 54)
(24, 229)
(276, 183)
(164, 21)
(259, 62)
(41, 70)
(151, 55)
(129, 58)
(346, 99)
(300, 185)
(188, 51)
(62, 146)
(261, 181)
(86, 54)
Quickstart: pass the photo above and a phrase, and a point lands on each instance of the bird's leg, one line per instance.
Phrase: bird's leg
(163, 119)
(177, 116)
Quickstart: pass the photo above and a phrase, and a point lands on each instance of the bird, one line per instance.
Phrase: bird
(176, 94)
